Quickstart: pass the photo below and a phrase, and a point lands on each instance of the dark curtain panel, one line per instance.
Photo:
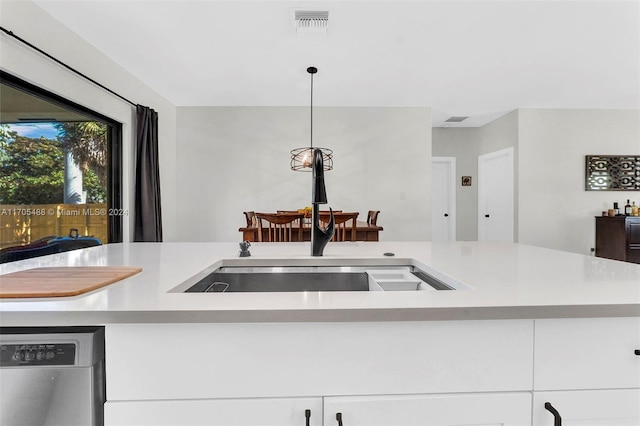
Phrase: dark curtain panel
(148, 215)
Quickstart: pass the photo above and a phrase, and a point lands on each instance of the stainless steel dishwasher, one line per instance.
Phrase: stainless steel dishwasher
(52, 376)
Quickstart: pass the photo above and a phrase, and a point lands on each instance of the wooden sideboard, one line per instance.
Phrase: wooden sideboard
(618, 238)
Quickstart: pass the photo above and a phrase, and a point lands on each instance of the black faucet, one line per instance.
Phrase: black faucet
(319, 237)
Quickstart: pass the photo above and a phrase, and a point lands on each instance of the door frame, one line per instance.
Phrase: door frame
(451, 162)
(508, 153)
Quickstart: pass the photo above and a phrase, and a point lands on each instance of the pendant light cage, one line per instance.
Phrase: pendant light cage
(302, 158)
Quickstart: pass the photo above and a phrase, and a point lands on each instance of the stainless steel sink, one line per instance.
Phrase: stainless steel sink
(229, 279)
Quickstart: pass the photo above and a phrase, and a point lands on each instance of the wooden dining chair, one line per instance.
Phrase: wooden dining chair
(251, 219)
(372, 217)
(284, 227)
(345, 225)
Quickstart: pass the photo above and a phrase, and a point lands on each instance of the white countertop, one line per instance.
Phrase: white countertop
(506, 280)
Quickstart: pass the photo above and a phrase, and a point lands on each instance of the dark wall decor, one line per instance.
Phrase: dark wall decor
(612, 173)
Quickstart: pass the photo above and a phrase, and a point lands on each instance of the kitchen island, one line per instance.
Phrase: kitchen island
(529, 326)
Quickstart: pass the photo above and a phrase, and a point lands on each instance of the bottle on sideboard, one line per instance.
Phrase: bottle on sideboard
(627, 209)
(616, 208)
(634, 209)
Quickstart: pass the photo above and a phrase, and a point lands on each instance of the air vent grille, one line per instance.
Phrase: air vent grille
(311, 20)
(455, 119)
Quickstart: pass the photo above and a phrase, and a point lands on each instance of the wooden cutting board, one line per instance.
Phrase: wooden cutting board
(61, 281)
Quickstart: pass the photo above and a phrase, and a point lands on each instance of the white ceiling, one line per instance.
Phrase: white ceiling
(461, 58)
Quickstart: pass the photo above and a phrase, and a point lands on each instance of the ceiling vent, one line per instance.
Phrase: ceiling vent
(455, 119)
(316, 21)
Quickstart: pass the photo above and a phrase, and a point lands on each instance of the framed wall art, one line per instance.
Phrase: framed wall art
(612, 173)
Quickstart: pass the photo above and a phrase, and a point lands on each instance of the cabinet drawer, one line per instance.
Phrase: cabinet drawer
(221, 412)
(587, 353)
(180, 361)
(633, 232)
(589, 408)
(507, 409)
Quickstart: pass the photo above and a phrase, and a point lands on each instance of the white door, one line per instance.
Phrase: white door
(495, 196)
(506, 409)
(443, 199)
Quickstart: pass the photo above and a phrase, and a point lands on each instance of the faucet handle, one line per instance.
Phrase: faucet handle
(330, 229)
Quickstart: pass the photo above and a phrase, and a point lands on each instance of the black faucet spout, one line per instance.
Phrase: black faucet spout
(319, 237)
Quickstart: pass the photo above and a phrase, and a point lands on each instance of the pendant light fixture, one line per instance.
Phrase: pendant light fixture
(302, 158)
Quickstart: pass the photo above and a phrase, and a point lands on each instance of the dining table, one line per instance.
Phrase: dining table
(364, 232)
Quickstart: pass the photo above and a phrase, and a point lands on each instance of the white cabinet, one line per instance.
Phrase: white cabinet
(507, 409)
(444, 373)
(588, 370)
(220, 412)
(587, 353)
(269, 374)
(616, 407)
(262, 360)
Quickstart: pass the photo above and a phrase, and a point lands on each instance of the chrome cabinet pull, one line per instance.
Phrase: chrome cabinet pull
(557, 420)
(307, 416)
(339, 418)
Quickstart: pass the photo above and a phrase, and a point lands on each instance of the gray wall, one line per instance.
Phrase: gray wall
(235, 159)
(466, 144)
(552, 207)
(499, 134)
(555, 210)
(463, 144)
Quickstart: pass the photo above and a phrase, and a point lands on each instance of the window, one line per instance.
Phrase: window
(60, 168)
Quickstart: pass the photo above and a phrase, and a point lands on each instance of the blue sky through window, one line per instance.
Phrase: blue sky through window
(35, 130)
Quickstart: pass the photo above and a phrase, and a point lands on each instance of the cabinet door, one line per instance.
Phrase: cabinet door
(506, 409)
(610, 237)
(633, 240)
(587, 353)
(217, 412)
(588, 408)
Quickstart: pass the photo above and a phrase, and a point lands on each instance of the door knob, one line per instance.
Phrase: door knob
(446, 215)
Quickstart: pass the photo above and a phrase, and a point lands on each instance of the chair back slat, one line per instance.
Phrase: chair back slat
(345, 225)
(251, 219)
(283, 227)
(372, 217)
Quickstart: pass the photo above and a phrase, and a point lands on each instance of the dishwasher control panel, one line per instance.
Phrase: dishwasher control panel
(37, 354)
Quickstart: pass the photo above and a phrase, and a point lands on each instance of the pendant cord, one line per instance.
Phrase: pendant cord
(312, 112)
